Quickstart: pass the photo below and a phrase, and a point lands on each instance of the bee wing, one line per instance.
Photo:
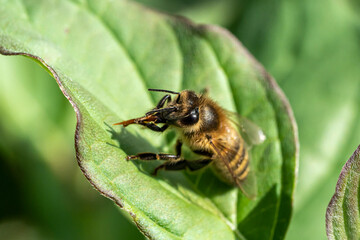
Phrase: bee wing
(248, 185)
(252, 133)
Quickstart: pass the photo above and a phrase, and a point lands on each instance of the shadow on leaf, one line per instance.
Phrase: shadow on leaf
(260, 216)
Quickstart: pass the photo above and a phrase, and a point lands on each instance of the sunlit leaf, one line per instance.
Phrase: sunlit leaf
(104, 55)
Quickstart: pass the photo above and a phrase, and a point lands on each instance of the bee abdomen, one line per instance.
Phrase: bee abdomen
(240, 163)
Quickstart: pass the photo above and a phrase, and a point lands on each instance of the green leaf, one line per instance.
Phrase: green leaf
(342, 215)
(36, 144)
(104, 55)
(317, 67)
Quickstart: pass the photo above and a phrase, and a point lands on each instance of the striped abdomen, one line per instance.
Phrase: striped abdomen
(232, 165)
(239, 163)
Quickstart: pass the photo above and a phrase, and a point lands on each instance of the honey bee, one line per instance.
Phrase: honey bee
(208, 130)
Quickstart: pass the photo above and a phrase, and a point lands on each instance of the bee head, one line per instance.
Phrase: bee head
(182, 111)
(188, 111)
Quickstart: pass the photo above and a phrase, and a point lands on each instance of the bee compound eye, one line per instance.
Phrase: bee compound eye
(192, 118)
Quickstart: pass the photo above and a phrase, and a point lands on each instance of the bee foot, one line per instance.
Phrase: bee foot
(131, 157)
(154, 173)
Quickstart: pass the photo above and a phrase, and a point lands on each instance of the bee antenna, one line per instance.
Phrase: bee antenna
(161, 90)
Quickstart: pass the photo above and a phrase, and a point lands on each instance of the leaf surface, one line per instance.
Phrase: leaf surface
(104, 55)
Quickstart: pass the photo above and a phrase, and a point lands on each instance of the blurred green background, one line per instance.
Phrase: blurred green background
(312, 48)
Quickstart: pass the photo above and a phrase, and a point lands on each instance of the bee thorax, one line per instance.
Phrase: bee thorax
(210, 119)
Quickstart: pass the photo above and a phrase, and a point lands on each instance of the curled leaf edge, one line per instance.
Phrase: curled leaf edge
(340, 182)
(205, 27)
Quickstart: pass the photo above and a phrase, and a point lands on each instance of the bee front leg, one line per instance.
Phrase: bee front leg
(183, 164)
(155, 127)
(147, 156)
(174, 162)
(158, 156)
(163, 100)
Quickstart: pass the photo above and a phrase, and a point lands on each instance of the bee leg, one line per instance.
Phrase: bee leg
(198, 164)
(163, 100)
(178, 147)
(155, 127)
(205, 91)
(183, 164)
(158, 156)
(152, 156)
